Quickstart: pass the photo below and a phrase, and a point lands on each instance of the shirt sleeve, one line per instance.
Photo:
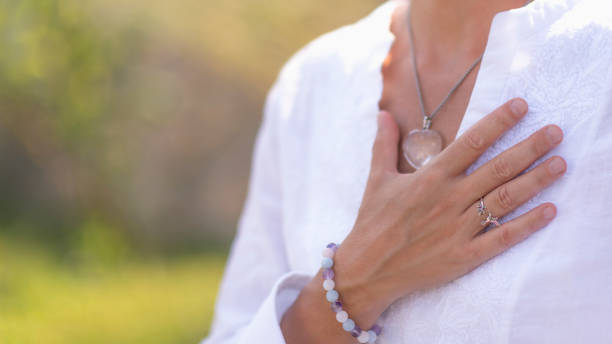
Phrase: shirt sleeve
(258, 286)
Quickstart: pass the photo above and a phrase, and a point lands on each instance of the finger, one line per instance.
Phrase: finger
(511, 195)
(462, 152)
(385, 149)
(513, 161)
(498, 240)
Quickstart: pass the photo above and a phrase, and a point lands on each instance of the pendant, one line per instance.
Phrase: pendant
(420, 146)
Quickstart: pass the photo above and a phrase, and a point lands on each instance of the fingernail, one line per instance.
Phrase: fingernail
(518, 107)
(554, 134)
(556, 166)
(548, 213)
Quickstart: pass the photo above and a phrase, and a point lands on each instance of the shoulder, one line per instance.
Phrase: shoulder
(583, 20)
(562, 38)
(581, 38)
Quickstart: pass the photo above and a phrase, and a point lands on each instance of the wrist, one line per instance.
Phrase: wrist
(311, 319)
(362, 296)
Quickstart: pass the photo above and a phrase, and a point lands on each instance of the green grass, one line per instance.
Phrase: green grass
(45, 301)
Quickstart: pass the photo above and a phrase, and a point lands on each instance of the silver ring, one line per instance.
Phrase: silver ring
(486, 216)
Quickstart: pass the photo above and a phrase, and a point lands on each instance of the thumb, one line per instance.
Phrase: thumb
(384, 151)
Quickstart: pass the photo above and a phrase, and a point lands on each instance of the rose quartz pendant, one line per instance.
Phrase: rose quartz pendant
(420, 146)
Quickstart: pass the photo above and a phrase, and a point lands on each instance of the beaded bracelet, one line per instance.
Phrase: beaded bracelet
(332, 296)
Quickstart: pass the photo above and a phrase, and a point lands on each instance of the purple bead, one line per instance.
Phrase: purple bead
(336, 306)
(328, 274)
(356, 331)
(333, 246)
(376, 329)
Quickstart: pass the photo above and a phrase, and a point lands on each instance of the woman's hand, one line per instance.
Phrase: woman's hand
(420, 230)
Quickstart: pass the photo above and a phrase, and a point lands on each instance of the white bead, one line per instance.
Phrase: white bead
(372, 337)
(328, 284)
(328, 253)
(364, 337)
(348, 325)
(332, 295)
(342, 316)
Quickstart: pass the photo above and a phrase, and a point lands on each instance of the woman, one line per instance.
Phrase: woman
(414, 255)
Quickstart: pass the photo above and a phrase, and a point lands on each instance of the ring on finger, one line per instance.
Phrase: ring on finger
(485, 215)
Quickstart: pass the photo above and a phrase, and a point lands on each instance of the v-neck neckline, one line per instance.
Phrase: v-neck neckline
(498, 56)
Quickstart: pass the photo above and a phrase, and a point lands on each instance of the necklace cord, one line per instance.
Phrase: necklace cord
(428, 118)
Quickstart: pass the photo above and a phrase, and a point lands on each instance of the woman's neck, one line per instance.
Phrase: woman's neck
(446, 28)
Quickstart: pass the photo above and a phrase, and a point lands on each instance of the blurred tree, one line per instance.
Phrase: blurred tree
(138, 116)
(57, 78)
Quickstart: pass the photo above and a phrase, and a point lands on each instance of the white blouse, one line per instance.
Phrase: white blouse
(311, 163)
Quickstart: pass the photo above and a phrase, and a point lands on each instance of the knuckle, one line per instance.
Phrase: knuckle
(505, 237)
(425, 185)
(540, 145)
(542, 177)
(473, 140)
(431, 176)
(533, 222)
(473, 253)
(501, 168)
(504, 199)
(376, 176)
(507, 118)
(379, 176)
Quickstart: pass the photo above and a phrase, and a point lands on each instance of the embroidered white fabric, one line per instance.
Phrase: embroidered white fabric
(312, 158)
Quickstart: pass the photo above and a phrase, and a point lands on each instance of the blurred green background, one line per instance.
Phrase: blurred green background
(126, 132)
